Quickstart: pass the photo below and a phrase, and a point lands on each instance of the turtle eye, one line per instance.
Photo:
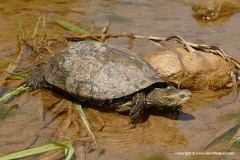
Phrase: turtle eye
(182, 96)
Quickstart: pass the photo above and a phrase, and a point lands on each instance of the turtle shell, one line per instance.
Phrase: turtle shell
(99, 71)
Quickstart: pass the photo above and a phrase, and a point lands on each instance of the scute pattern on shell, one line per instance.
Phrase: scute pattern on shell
(99, 71)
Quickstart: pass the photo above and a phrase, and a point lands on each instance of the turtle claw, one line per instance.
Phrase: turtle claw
(135, 117)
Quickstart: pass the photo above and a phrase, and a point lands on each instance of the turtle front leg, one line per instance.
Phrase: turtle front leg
(138, 102)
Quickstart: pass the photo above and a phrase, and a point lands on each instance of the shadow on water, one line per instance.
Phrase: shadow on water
(170, 113)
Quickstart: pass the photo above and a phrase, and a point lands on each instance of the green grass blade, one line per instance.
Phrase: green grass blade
(21, 30)
(68, 149)
(83, 115)
(13, 93)
(62, 145)
(32, 151)
(70, 152)
(36, 28)
(85, 121)
(16, 74)
(44, 21)
(71, 27)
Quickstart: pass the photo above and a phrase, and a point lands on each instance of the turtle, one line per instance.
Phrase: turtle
(107, 76)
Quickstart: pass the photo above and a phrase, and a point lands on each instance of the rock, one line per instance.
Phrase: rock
(198, 71)
(213, 9)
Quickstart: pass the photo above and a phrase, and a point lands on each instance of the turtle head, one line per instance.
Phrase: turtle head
(169, 97)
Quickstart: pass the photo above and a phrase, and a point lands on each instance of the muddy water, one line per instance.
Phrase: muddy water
(199, 121)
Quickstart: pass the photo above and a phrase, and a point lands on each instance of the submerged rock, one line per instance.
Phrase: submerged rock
(213, 9)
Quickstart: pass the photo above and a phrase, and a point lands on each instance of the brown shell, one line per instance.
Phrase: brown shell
(100, 71)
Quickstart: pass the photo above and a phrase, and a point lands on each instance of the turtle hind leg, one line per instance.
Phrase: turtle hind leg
(36, 80)
(138, 102)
